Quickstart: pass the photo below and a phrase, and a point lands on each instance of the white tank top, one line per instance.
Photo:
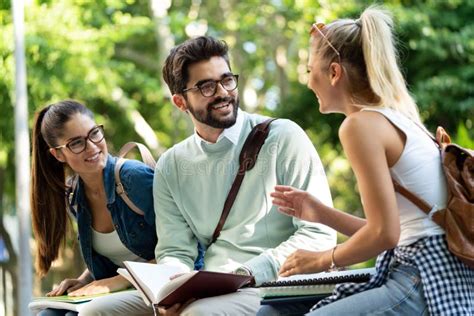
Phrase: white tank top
(110, 246)
(419, 170)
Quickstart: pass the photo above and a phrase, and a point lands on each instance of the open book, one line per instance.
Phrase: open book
(153, 282)
(72, 303)
(312, 284)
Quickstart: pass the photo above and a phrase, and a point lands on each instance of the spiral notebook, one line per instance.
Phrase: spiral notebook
(312, 284)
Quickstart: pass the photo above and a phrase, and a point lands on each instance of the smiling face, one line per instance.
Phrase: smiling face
(328, 79)
(210, 115)
(320, 82)
(90, 161)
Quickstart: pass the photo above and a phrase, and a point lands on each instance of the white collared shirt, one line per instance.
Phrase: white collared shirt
(232, 133)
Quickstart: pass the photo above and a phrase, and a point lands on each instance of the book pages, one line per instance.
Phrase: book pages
(37, 306)
(123, 272)
(149, 278)
(173, 285)
(72, 303)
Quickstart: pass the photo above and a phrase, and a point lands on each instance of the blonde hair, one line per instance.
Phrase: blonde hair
(368, 55)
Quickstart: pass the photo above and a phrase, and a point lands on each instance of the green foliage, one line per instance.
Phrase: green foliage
(439, 55)
(109, 55)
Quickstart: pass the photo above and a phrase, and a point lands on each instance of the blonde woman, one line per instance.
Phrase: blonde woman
(353, 70)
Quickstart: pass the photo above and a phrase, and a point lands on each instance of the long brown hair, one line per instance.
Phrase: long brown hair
(48, 187)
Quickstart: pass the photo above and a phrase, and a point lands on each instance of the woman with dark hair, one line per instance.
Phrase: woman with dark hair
(353, 70)
(68, 142)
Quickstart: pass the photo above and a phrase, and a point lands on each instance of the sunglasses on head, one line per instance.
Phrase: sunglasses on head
(318, 27)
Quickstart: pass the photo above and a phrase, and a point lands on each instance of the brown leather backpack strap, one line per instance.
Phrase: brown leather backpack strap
(147, 158)
(120, 190)
(441, 140)
(247, 159)
(420, 203)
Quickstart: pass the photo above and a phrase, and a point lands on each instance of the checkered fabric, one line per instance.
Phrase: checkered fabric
(448, 284)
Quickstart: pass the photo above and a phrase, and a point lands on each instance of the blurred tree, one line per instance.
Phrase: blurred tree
(438, 38)
(109, 55)
(101, 53)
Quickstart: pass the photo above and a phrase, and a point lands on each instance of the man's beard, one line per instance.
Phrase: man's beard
(207, 116)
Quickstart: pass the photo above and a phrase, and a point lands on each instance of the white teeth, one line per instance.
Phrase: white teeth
(220, 106)
(93, 157)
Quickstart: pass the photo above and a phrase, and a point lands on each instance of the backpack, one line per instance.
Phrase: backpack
(457, 219)
(147, 158)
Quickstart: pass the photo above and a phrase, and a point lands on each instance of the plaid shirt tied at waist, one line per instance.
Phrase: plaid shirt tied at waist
(448, 284)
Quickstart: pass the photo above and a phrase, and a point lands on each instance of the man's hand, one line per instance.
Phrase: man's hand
(108, 285)
(174, 310)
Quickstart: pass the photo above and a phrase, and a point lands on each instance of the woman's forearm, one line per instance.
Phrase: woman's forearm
(344, 223)
(365, 244)
(86, 277)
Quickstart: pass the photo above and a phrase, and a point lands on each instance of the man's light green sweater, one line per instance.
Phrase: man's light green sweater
(193, 178)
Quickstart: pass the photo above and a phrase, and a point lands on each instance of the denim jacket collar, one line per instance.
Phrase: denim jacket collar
(136, 232)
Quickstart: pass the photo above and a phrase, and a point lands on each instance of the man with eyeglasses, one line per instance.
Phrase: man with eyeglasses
(193, 179)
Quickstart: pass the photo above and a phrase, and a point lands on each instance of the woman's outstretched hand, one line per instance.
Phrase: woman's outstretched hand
(295, 202)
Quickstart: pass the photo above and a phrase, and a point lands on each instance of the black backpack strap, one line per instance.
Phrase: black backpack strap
(247, 159)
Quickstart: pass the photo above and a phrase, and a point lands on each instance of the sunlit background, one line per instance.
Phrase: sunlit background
(109, 55)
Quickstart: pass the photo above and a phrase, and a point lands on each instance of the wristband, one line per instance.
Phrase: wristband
(333, 266)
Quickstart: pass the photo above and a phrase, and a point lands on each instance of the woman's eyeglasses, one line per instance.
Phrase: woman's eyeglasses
(78, 144)
(318, 27)
(208, 88)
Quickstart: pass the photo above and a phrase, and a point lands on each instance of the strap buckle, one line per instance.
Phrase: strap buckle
(433, 210)
(119, 188)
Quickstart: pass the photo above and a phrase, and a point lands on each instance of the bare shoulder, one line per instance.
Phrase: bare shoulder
(363, 126)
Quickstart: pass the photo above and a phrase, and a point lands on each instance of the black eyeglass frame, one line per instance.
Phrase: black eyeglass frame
(88, 137)
(199, 85)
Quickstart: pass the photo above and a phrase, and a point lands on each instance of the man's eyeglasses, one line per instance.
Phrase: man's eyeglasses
(208, 88)
(318, 27)
(78, 144)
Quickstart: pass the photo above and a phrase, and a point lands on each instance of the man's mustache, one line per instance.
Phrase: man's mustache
(220, 100)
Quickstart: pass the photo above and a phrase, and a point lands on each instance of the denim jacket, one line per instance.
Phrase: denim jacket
(137, 232)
